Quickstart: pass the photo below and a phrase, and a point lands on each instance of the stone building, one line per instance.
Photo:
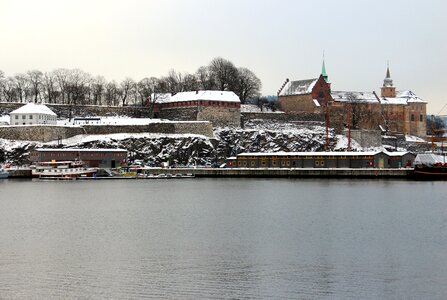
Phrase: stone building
(308, 95)
(393, 111)
(32, 114)
(102, 158)
(222, 108)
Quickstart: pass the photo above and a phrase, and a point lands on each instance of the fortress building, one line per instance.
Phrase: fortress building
(395, 111)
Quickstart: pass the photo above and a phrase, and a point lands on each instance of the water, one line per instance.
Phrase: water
(223, 239)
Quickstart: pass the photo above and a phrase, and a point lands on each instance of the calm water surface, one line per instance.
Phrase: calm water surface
(223, 239)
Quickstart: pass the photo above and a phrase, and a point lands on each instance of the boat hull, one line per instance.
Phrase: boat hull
(430, 172)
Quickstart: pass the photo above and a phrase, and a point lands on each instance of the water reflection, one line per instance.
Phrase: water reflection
(227, 239)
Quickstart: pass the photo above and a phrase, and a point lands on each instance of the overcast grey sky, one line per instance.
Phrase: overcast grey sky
(276, 39)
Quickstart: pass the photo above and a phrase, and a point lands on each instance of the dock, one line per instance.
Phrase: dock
(285, 172)
(256, 172)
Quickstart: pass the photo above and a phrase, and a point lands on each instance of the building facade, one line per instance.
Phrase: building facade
(378, 159)
(32, 114)
(95, 158)
(222, 108)
(392, 111)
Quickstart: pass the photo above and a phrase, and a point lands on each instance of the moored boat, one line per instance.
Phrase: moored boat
(62, 170)
(430, 166)
(3, 173)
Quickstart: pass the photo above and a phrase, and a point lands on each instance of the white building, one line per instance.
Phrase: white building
(31, 114)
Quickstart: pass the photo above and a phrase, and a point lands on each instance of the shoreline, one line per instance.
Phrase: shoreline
(177, 173)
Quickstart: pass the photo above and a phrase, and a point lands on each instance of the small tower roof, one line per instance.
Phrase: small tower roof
(388, 71)
(323, 72)
(388, 82)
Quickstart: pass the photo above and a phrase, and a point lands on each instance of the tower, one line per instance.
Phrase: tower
(323, 72)
(388, 90)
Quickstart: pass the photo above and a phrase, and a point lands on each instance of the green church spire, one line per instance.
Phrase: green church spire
(323, 71)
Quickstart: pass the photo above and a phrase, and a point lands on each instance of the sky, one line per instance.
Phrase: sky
(276, 39)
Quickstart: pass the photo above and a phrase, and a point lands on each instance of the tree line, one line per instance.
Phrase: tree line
(76, 87)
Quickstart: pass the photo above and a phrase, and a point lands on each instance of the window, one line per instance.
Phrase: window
(16, 117)
(23, 117)
(421, 118)
(30, 117)
(412, 117)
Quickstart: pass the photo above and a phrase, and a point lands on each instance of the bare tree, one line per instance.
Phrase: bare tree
(247, 85)
(112, 94)
(2, 84)
(127, 89)
(49, 87)
(206, 79)
(22, 87)
(62, 79)
(224, 72)
(98, 87)
(9, 90)
(190, 83)
(77, 87)
(35, 79)
(145, 88)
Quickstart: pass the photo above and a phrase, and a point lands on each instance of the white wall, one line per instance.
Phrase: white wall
(31, 119)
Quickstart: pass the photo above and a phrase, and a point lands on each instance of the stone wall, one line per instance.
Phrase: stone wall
(298, 103)
(51, 133)
(285, 117)
(201, 127)
(44, 133)
(65, 111)
(179, 114)
(220, 116)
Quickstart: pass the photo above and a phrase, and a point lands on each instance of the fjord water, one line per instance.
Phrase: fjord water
(223, 239)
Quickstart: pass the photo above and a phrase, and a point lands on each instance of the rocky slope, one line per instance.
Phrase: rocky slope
(184, 150)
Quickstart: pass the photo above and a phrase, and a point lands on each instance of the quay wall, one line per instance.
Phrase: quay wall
(288, 173)
(371, 173)
(46, 133)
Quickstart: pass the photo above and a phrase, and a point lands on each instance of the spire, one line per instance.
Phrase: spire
(388, 90)
(323, 71)
(388, 70)
(388, 82)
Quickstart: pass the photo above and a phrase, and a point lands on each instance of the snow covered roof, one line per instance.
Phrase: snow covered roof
(161, 97)
(225, 96)
(397, 153)
(79, 150)
(32, 108)
(281, 153)
(298, 87)
(347, 96)
(429, 159)
(402, 97)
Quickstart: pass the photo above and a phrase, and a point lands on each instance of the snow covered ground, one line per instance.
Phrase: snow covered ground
(4, 119)
(256, 109)
(106, 138)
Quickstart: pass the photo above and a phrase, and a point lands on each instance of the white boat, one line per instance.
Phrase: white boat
(3, 173)
(61, 170)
